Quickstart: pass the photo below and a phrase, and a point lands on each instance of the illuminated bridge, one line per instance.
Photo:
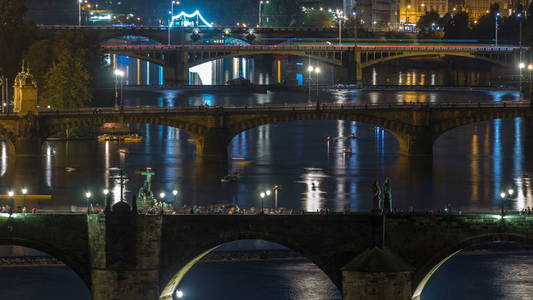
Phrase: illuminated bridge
(122, 255)
(177, 60)
(415, 126)
(191, 35)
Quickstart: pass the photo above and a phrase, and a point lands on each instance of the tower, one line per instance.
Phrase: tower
(25, 92)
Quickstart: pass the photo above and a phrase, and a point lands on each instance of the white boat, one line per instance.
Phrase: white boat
(348, 151)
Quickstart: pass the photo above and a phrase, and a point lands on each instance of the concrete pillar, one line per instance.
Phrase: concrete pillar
(377, 274)
(176, 71)
(358, 67)
(124, 253)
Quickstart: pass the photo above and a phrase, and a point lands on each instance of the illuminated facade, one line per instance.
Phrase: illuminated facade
(477, 8)
(412, 10)
(376, 15)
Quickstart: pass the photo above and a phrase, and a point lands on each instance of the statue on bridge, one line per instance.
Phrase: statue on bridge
(387, 196)
(377, 200)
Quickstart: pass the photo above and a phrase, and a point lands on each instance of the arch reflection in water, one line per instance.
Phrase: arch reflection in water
(265, 271)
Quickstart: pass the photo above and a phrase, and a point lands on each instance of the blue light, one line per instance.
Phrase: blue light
(183, 16)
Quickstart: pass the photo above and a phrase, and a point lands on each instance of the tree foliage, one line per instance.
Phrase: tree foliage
(16, 35)
(457, 26)
(315, 18)
(428, 22)
(68, 82)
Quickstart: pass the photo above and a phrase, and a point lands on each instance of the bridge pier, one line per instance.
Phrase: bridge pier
(176, 72)
(213, 146)
(418, 144)
(124, 256)
(377, 274)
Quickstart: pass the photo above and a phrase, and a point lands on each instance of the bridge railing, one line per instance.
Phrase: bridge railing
(281, 108)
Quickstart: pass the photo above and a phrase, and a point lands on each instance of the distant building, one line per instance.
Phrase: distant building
(374, 15)
(477, 8)
(412, 10)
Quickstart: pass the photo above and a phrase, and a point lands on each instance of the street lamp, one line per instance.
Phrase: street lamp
(262, 195)
(162, 195)
(521, 66)
(317, 71)
(496, 28)
(530, 94)
(310, 69)
(79, 12)
(340, 17)
(505, 196)
(119, 74)
(170, 23)
(175, 194)
(519, 16)
(179, 294)
(24, 191)
(260, 22)
(88, 196)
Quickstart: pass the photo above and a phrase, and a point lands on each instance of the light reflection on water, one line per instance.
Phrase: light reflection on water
(470, 167)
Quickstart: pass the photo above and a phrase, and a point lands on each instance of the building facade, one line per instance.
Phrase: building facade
(373, 15)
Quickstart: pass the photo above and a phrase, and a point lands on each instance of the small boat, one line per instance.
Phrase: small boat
(348, 151)
(133, 138)
(70, 169)
(122, 151)
(232, 177)
(352, 136)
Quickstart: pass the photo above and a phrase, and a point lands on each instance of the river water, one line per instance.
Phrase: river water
(491, 272)
(471, 164)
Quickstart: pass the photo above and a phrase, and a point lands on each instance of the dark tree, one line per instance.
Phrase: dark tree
(427, 23)
(16, 35)
(457, 27)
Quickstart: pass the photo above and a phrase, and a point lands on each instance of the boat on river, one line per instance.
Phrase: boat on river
(232, 177)
(127, 138)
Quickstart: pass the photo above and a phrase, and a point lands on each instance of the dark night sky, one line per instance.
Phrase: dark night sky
(219, 11)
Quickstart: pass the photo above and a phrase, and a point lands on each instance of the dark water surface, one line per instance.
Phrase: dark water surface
(471, 164)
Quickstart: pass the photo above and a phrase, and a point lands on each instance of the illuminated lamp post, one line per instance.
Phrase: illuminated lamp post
(11, 194)
(173, 2)
(310, 70)
(317, 71)
(530, 94)
(175, 194)
(505, 196)
(119, 74)
(496, 28)
(24, 192)
(260, 22)
(88, 196)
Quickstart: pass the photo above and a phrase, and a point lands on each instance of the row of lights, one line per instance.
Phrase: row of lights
(89, 194)
(11, 193)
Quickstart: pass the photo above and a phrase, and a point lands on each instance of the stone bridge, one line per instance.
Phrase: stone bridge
(177, 60)
(367, 256)
(415, 126)
(194, 35)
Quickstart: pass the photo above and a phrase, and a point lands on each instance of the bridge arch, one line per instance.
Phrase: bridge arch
(399, 130)
(173, 280)
(191, 129)
(198, 58)
(367, 61)
(425, 271)
(63, 255)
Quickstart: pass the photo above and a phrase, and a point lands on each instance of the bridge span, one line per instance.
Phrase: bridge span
(367, 256)
(177, 59)
(415, 126)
